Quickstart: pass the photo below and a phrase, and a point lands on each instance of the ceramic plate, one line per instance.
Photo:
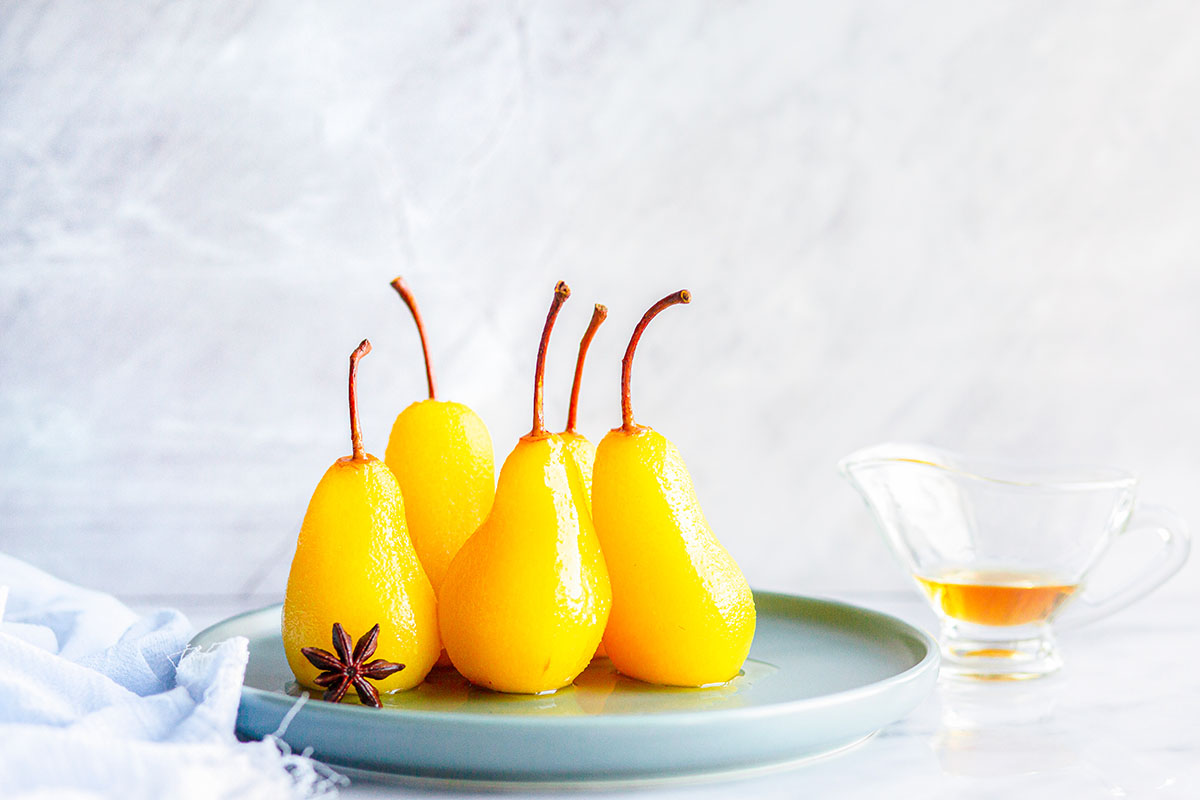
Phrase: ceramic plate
(821, 676)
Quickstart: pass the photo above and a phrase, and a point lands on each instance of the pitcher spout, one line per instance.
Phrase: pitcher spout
(893, 456)
(912, 490)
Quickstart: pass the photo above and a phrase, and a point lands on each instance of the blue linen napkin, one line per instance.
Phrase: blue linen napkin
(97, 702)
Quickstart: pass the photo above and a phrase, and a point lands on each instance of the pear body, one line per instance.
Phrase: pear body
(525, 601)
(442, 457)
(682, 614)
(355, 564)
(583, 453)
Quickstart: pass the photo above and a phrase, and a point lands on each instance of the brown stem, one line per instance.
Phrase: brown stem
(682, 296)
(561, 293)
(598, 316)
(355, 433)
(406, 295)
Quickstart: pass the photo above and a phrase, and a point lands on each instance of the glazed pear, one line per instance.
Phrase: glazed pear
(682, 612)
(582, 451)
(580, 448)
(355, 565)
(525, 601)
(441, 455)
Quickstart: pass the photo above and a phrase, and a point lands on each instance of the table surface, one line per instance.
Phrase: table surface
(1118, 721)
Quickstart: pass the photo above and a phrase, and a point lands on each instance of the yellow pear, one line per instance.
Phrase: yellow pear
(441, 455)
(582, 451)
(355, 566)
(525, 601)
(579, 447)
(682, 612)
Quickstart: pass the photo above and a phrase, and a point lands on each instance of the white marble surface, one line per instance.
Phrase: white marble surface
(1118, 721)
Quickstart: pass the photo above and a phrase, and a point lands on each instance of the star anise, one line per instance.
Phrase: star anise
(348, 669)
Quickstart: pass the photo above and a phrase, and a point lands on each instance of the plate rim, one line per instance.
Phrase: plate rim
(930, 661)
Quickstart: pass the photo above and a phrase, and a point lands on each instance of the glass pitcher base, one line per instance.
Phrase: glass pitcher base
(998, 659)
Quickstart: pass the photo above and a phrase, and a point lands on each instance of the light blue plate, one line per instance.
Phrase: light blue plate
(821, 676)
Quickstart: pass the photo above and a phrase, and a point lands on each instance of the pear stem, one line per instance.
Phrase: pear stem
(598, 316)
(406, 295)
(355, 432)
(561, 293)
(682, 296)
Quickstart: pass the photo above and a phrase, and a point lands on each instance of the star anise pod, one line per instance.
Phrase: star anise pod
(348, 669)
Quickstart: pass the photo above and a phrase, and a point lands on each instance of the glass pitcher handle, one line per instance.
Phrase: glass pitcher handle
(1173, 536)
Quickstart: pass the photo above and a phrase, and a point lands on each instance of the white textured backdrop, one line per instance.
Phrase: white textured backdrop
(971, 224)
